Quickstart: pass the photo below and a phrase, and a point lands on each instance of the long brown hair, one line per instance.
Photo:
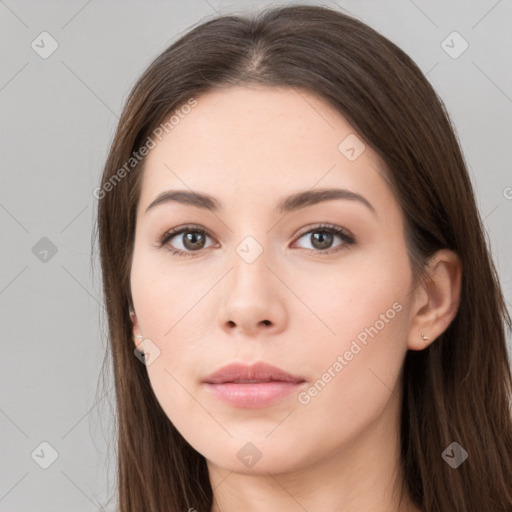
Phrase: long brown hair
(459, 388)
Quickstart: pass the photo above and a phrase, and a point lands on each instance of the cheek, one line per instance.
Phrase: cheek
(171, 308)
(165, 294)
(357, 370)
(356, 375)
(365, 358)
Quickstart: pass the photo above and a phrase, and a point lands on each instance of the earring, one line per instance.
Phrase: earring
(424, 337)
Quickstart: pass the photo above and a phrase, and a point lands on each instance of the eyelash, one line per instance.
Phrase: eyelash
(347, 238)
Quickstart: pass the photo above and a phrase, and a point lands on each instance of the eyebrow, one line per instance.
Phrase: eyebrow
(292, 203)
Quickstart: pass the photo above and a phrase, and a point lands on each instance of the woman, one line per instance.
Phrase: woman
(302, 309)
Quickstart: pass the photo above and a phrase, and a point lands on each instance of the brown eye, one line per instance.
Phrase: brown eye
(193, 240)
(322, 238)
(189, 239)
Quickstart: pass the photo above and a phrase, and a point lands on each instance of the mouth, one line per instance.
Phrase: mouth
(253, 386)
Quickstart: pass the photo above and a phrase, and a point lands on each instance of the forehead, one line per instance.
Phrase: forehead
(260, 142)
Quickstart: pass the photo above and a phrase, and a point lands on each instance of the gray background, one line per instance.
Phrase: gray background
(58, 118)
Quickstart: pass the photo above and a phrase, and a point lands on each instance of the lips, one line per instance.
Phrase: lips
(250, 387)
(256, 373)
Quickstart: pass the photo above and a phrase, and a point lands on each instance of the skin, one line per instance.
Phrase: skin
(250, 147)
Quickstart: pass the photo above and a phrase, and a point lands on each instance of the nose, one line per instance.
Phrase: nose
(253, 299)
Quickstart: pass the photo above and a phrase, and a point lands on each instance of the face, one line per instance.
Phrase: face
(317, 288)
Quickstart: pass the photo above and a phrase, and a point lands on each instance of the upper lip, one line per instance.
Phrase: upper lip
(258, 372)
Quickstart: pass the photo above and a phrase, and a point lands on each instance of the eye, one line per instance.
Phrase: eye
(193, 241)
(321, 238)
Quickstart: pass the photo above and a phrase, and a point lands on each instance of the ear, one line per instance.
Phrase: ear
(137, 335)
(436, 301)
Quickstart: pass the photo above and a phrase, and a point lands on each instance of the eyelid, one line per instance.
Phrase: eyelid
(332, 227)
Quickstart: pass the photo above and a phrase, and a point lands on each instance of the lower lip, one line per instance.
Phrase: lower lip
(253, 395)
